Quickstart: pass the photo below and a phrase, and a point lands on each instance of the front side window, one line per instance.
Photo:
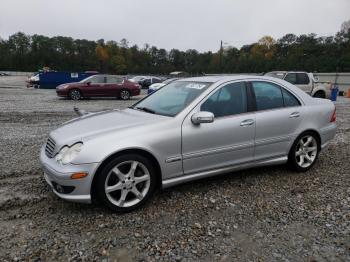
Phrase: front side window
(94, 79)
(267, 95)
(302, 79)
(291, 78)
(228, 100)
(172, 98)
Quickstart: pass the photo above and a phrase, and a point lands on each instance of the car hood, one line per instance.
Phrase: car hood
(92, 125)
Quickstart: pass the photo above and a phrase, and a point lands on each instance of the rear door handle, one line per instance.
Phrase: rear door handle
(294, 114)
(247, 122)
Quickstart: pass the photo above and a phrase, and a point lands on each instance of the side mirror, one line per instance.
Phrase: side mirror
(88, 83)
(202, 117)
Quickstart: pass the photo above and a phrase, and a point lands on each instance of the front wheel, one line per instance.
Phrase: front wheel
(126, 183)
(304, 152)
(75, 94)
(320, 94)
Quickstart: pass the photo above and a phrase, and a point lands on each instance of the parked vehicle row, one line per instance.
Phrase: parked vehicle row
(100, 86)
(190, 129)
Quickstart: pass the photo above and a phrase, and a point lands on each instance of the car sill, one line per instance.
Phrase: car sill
(187, 178)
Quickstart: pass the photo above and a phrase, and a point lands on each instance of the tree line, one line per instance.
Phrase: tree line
(21, 52)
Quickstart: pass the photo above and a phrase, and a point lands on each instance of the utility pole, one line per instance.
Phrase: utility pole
(221, 56)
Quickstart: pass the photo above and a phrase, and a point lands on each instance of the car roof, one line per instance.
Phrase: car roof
(223, 78)
(284, 72)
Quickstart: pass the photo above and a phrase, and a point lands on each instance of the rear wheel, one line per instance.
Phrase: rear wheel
(125, 94)
(126, 183)
(75, 94)
(320, 94)
(304, 152)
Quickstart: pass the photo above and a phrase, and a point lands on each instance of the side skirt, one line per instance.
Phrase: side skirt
(187, 178)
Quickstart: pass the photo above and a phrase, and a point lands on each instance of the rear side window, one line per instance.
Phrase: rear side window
(267, 95)
(291, 78)
(289, 99)
(302, 79)
(114, 80)
(228, 100)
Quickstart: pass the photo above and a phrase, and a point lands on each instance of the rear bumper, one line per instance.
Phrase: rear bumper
(327, 134)
(56, 174)
(135, 92)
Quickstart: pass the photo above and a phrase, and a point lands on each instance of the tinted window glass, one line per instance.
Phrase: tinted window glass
(268, 95)
(114, 80)
(289, 99)
(228, 100)
(97, 80)
(302, 79)
(291, 78)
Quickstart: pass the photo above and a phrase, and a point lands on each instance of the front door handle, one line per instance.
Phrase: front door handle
(247, 122)
(294, 114)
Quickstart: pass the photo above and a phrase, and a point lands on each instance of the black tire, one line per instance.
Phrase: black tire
(320, 94)
(106, 174)
(293, 159)
(75, 94)
(125, 94)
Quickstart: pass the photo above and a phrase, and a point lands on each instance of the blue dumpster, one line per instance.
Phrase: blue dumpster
(334, 92)
(53, 79)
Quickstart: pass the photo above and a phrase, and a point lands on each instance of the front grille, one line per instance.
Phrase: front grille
(50, 147)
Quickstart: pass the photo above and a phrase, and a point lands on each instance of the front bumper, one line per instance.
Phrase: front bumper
(61, 93)
(57, 174)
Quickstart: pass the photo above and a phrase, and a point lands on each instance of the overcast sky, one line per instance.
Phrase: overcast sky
(181, 24)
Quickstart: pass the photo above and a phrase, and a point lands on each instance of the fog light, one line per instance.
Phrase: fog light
(59, 188)
(78, 175)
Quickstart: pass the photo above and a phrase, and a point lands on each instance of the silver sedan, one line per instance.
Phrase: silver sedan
(190, 129)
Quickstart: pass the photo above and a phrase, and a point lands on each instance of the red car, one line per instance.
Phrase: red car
(99, 86)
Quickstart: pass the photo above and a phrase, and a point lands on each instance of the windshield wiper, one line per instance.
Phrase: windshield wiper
(146, 109)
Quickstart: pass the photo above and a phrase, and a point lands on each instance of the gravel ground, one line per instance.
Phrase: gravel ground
(265, 214)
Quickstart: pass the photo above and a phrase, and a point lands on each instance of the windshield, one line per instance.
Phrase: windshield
(88, 79)
(173, 98)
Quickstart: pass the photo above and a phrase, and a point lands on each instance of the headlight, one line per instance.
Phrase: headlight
(67, 154)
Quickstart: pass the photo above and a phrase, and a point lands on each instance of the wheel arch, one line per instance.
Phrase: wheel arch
(137, 151)
(314, 131)
(320, 90)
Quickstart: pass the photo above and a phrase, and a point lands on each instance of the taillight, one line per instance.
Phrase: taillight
(334, 116)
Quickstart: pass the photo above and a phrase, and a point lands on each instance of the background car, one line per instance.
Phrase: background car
(305, 81)
(100, 86)
(137, 79)
(156, 86)
(145, 83)
(190, 129)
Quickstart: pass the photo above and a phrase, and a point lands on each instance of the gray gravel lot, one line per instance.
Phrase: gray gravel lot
(265, 214)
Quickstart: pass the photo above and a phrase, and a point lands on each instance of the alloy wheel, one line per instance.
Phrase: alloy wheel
(75, 95)
(127, 183)
(124, 94)
(306, 151)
